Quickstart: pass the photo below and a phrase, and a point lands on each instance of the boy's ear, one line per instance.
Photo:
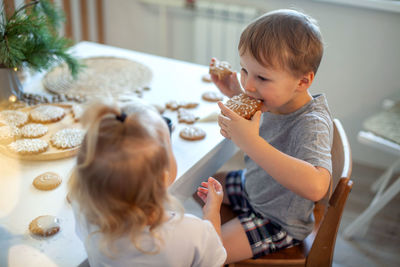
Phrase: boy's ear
(306, 80)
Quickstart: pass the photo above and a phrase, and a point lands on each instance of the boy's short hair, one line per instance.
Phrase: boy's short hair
(284, 39)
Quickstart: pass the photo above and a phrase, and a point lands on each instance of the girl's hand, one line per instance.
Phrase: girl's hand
(212, 194)
(236, 128)
(229, 85)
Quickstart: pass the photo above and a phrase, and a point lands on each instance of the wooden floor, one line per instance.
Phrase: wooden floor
(380, 246)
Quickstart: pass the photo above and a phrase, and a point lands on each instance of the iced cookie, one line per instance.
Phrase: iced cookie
(8, 134)
(174, 105)
(47, 114)
(77, 112)
(244, 105)
(28, 146)
(34, 130)
(45, 225)
(212, 96)
(192, 133)
(220, 68)
(67, 138)
(13, 118)
(47, 181)
(185, 116)
(206, 78)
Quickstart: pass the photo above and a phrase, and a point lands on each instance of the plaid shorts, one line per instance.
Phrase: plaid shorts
(264, 236)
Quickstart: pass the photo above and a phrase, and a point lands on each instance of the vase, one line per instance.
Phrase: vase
(10, 86)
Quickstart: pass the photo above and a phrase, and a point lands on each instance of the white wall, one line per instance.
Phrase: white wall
(361, 64)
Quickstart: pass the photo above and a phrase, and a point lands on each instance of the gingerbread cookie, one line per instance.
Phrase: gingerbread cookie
(8, 134)
(13, 118)
(192, 133)
(244, 105)
(220, 68)
(28, 146)
(34, 130)
(47, 114)
(185, 116)
(47, 181)
(45, 225)
(174, 105)
(67, 138)
(212, 96)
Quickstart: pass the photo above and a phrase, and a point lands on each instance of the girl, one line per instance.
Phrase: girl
(118, 191)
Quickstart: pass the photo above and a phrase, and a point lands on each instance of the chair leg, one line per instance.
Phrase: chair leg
(373, 208)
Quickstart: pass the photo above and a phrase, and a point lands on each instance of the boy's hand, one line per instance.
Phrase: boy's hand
(212, 194)
(236, 128)
(229, 85)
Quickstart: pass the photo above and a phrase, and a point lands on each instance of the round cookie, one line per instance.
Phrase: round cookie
(212, 96)
(206, 78)
(47, 114)
(45, 225)
(13, 118)
(8, 134)
(67, 138)
(185, 116)
(28, 146)
(47, 181)
(192, 133)
(244, 105)
(33, 130)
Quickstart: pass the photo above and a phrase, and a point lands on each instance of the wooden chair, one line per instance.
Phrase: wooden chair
(82, 25)
(317, 249)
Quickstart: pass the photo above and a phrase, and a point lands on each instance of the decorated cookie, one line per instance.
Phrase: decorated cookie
(8, 134)
(47, 114)
(212, 96)
(174, 105)
(192, 133)
(47, 181)
(45, 225)
(185, 116)
(13, 118)
(34, 130)
(206, 78)
(77, 111)
(244, 105)
(220, 68)
(28, 146)
(67, 138)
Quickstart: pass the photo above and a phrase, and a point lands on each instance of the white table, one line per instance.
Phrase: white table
(20, 202)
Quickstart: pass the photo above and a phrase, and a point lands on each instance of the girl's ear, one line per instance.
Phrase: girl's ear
(305, 81)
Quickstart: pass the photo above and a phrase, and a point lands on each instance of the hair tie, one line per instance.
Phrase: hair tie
(121, 117)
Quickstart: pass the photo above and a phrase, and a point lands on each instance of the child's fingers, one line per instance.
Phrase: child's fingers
(202, 196)
(215, 184)
(228, 112)
(205, 184)
(202, 190)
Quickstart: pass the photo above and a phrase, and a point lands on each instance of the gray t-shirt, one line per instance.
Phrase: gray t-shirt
(306, 134)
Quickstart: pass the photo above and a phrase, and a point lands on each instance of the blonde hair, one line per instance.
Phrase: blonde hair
(119, 180)
(284, 39)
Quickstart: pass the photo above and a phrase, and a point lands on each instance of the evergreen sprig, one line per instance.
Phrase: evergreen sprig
(29, 37)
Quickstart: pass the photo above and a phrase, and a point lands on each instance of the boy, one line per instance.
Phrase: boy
(288, 160)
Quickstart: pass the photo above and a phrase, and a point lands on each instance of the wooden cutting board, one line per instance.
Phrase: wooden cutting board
(52, 152)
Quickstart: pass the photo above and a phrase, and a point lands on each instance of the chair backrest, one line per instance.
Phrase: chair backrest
(322, 241)
(83, 18)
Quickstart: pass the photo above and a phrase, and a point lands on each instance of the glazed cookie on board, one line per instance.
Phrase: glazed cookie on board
(47, 181)
(192, 133)
(45, 225)
(47, 114)
(244, 105)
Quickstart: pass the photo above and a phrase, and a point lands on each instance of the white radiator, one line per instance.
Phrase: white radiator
(217, 28)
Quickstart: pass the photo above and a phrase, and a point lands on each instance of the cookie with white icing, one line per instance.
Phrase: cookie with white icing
(13, 118)
(67, 138)
(8, 134)
(46, 114)
(33, 130)
(28, 146)
(45, 225)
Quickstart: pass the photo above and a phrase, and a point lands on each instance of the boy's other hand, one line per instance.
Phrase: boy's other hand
(211, 193)
(236, 128)
(229, 85)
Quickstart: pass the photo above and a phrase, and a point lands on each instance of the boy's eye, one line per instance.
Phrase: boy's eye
(243, 70)
(262, 78)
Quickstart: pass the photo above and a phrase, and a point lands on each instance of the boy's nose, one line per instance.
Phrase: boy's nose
(249, 86)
